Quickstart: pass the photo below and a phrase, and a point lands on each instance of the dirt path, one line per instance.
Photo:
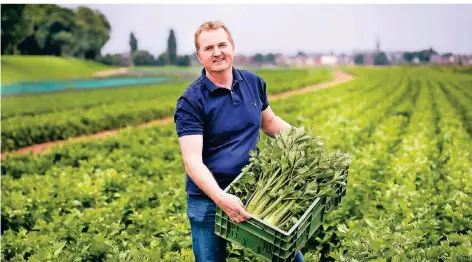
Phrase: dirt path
(339, 77)
(112, 72)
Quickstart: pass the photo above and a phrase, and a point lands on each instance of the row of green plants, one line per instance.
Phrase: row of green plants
(285, 79)
(48, 103)
(32, 120)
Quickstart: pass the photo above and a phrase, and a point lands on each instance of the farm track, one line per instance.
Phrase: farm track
(339, 78)
(112, 72)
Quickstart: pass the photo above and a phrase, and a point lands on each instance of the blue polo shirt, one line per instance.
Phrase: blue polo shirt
(229, 121)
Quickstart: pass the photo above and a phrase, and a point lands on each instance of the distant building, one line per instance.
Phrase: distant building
(369, 59)
(299, 60)
(451, 59)
(467, 60)
(126, 58)
(328, 60)
(396, 58)
(345, 59)
(445, 59)
(242, 60)
(280, 60)
(436, 59)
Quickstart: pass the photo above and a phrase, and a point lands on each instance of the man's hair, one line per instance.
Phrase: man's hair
(211, 25)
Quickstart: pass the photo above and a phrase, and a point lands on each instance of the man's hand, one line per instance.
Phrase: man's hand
(233, 207)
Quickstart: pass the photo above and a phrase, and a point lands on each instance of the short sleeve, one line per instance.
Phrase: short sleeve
(263, 95)
(188, 117)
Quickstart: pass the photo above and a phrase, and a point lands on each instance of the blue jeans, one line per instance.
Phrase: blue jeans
(207, 246)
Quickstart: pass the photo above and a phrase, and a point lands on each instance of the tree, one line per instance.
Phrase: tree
(93, 32)
(29, 46)
(143, 57)
(425, 55)
(15, 26)
(65, 32)
(300, 53)
(359, 59)
(113, 59)
(184, 60)
(270, 58)
(258, 58)
(163, 59)
(172, 48)
(56, 30)
(133, 43)
(107, 59)
(381, 59)
(49, 29)
(408, 56)
(53, 30)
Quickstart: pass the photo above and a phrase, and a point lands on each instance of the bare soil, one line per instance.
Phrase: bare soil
(112, 72)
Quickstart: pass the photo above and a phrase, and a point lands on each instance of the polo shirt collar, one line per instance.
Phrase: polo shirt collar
(212, 87)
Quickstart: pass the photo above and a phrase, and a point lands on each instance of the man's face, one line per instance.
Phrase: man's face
(215, 52)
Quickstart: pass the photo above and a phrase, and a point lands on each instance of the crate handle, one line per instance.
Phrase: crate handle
(249, 221)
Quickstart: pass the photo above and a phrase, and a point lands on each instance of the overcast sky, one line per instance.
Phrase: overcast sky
(289, 28)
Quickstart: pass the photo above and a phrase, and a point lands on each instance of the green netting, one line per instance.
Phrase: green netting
(61, 85)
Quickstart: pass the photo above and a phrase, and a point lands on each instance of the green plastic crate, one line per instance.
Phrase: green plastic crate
(269, 242)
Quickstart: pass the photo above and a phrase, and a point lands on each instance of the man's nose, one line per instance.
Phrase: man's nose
(217, 52)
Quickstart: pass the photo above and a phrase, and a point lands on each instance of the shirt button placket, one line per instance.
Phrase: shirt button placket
(234, 97)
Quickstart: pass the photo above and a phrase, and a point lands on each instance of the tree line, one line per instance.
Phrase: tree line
(423, 56)
(138, 56)
(380, 58)
(49, 29)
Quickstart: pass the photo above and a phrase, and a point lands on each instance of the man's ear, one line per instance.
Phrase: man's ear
(198, 57)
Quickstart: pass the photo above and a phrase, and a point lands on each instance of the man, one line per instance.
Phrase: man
(218, 118)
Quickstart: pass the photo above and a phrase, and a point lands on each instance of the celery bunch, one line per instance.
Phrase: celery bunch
(287, 174)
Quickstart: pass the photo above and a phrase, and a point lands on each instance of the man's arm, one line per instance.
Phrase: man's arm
(191, 147)
(272, 124)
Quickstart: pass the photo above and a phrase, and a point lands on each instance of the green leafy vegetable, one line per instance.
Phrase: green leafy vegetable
(287, 174)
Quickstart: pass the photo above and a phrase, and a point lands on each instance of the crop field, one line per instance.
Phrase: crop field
(409, 194)
(29, 120)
